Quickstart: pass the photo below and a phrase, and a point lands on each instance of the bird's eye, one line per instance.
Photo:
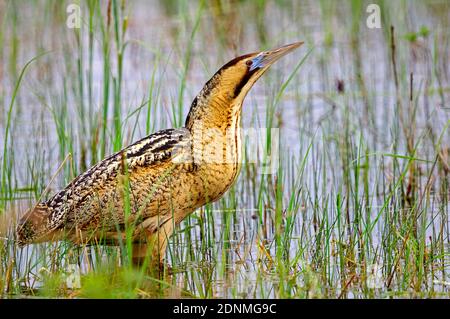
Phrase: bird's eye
(249, 62)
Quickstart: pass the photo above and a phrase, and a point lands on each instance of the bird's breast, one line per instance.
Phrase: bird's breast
(217, 156)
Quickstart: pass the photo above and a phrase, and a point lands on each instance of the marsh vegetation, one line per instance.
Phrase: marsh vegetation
(358, 205)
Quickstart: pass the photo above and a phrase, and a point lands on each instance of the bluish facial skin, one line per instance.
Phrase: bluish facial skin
(266, 58)
(257, 62)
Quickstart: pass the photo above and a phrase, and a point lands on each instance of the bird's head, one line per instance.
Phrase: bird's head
(242, 72)
(231, 83)
(33, 226)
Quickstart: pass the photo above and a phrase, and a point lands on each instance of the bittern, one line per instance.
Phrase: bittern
(153, 184)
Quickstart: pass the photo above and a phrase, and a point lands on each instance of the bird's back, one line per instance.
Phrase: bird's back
(127, 181)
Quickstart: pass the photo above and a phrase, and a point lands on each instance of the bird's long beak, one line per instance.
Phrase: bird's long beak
(267, 58)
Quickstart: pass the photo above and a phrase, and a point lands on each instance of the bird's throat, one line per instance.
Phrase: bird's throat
(216, 135)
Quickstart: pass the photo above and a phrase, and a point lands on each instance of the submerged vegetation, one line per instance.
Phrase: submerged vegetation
(358, 203)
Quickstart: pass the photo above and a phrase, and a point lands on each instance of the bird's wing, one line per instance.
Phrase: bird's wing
(153, 149)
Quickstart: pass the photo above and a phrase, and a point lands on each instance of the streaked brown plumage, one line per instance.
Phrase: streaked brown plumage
(153, 184)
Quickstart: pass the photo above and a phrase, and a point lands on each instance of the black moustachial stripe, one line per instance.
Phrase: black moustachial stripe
(244, 81)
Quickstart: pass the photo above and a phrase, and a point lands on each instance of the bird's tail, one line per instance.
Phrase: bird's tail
(32, 225)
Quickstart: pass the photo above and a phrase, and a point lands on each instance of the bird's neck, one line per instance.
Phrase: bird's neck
(215, 107)
(214, 124)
